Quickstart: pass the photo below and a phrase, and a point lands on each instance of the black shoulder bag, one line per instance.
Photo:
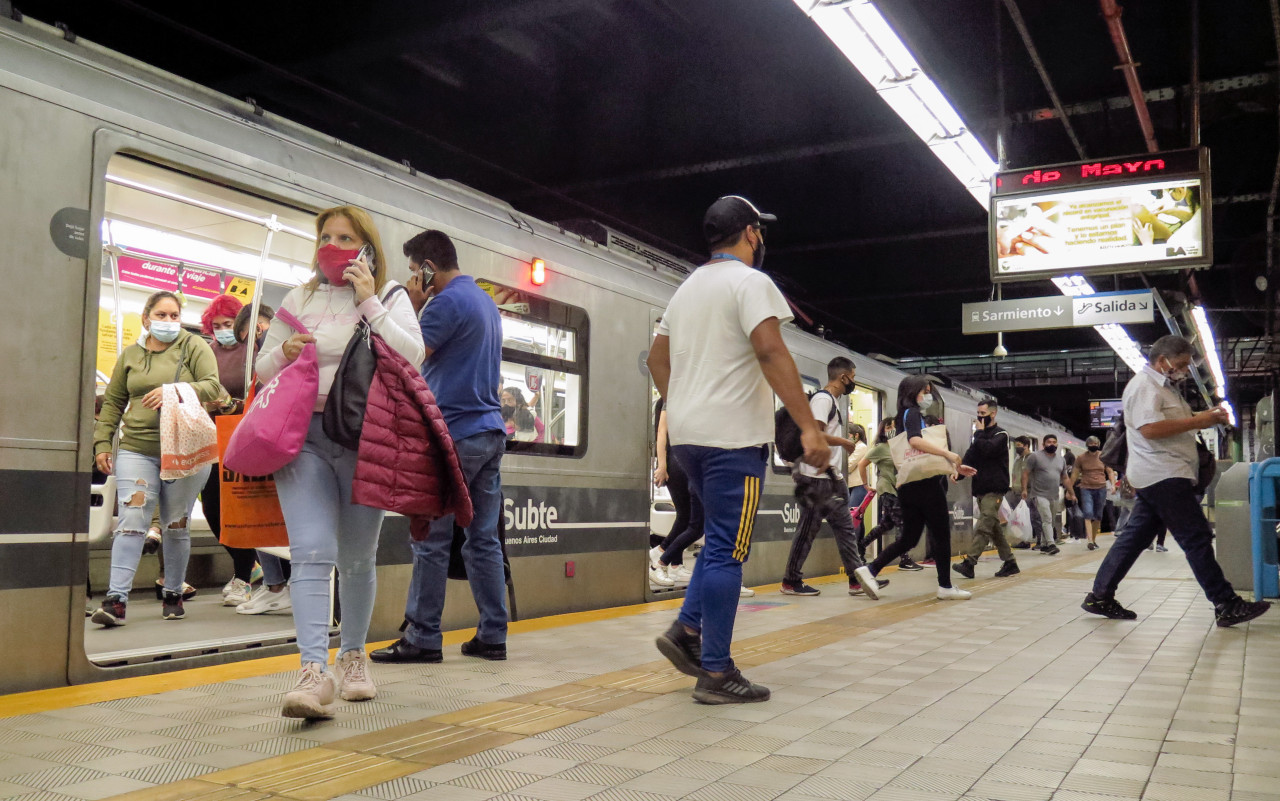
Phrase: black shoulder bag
(1115, 451)
(1206, 468)
(349, 395)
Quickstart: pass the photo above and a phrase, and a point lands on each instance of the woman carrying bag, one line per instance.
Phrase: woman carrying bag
(326, 529)
(133, 400)
(922, 489)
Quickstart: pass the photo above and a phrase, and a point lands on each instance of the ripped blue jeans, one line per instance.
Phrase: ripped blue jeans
(326, 530)
(138, 490)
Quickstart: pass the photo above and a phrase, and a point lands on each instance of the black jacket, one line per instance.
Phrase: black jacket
(989, 454)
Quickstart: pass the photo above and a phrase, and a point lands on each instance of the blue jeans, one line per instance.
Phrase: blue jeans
(480, 456)
(857, 495)
(728, 482)
(327, 530)
(1092, 502)
(138, 490)
(1170, 504)
(272, 569)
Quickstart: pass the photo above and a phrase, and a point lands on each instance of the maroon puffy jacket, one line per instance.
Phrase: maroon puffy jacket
(406, 462)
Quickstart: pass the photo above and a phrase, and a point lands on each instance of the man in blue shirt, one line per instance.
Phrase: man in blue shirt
(462, 331)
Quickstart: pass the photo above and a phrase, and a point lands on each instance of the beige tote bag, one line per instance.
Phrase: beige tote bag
(914, 464)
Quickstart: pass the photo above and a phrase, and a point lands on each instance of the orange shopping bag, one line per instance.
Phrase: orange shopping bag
(251, 516)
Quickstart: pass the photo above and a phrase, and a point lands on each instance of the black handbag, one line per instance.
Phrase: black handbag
(1207, 469)
(1115, 451)
(349, 395)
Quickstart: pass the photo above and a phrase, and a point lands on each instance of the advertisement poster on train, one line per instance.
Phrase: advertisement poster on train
(106, 356)
(251, 515)
(192, 281)
(1110, 225)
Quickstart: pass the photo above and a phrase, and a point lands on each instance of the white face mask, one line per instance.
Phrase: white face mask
(926, 400)
(165, 331)
(225, 337)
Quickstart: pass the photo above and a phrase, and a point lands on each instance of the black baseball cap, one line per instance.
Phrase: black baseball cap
(729, 215)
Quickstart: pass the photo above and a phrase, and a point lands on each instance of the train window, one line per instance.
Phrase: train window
(544, 370)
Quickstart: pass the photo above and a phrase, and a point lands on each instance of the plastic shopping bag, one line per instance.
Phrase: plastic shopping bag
(1019, 527)
(188, 438)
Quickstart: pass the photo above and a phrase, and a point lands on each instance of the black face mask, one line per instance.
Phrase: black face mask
(1020, 451)
(1095, 448)
(757, 255)
(1050, 448)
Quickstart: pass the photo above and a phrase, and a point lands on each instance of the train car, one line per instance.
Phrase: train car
(120, 179)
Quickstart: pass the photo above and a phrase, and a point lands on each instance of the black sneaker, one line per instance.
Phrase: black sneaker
(964, 567)
(1093, 546)
(909, 564)
(731, 688)
(172, 609)
(111, 613)
(1238, 610)
(799, 589)
(476, 647)
(682, 649)
(1050, 550)
(1022, 546)
(1107, 607)
(1009, 568)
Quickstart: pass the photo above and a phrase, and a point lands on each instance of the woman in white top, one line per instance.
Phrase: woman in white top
(325, 528)
(857, 487)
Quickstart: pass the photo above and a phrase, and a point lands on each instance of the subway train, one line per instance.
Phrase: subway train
(120, 179)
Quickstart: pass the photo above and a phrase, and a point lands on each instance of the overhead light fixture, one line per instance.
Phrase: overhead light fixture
(202, 204)
(1115, 335)
(1210, 347)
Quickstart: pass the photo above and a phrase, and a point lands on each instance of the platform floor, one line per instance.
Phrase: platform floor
(1016, 695)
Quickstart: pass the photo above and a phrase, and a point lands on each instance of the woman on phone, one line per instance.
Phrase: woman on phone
(325, 527)
(924, 501)
(166, 355)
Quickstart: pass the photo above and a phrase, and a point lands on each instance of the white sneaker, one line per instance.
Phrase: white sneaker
(680, 575)
(264, 600)
(952, 594)
(226, 588)
(746, 592)
(354, 681)
(870, 587)
(312, 696)
(658, 577)
(655, 557)
(237, 594)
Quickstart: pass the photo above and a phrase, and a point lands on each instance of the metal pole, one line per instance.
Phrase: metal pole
(1271, 248)
(1111, 12)
(112, 252)
(1018, 23)
(1195, 73)
(250, 335)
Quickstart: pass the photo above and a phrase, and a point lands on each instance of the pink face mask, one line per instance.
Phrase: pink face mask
(332, 260)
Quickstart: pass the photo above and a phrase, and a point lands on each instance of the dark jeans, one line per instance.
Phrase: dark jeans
(890, 519)
(687, 528)
(835, 510)
(924, 504)
(1170, 504)
(242, 559)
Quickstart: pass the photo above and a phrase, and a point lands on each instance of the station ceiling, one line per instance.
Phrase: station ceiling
(638, 113)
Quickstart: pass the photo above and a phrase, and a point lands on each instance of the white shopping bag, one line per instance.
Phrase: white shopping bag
(1019, 523)
(188, 436)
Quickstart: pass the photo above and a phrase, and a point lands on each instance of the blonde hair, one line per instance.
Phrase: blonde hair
(362, 222)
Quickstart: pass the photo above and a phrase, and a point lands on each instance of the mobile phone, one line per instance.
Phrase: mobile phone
(366, 255)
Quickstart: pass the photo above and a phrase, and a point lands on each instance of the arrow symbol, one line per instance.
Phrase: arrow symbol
(1058, 311)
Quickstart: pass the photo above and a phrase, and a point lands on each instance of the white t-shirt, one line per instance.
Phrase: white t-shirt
(855, 458)
(717, 396)
(820, 404)
(1148, 398)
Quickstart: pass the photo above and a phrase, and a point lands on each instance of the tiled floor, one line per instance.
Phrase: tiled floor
(1015, 695)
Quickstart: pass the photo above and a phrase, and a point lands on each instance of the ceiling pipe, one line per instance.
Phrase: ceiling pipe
(1016, 16)
(1111, 12)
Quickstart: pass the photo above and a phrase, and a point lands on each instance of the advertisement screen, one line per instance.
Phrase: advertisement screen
(1104, 413)
(1152, 225)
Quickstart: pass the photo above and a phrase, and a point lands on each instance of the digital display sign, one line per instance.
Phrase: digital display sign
(1105, 413)
(1100, 217)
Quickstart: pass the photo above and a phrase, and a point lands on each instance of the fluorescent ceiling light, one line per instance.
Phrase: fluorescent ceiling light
(190, 201)
(1210, 347)
(138, 237)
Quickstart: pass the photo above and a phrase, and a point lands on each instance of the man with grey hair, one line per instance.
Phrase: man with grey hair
(1162, 466)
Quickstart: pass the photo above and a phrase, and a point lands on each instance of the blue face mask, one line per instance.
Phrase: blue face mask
(165, 332)
(225, 337)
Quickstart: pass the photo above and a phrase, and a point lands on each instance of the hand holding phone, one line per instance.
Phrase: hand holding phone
(360, 274)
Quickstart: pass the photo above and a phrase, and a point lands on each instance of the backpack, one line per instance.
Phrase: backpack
(786, 434)
(1115, 451)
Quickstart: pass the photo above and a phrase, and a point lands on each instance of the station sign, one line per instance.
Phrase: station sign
(1058, 311)
(1141, 213)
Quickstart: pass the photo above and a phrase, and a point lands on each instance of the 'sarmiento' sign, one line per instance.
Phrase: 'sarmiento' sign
(1058, 311)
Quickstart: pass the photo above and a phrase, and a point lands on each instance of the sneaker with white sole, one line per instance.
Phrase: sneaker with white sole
(867, 582)
(660, 576)
(238, 594)
(312, 697)
(746, 592)
(264, 601)
(352, 673)
(799, 589)
(226, 588)
(655, 557)
(953, 594)
(680, 575)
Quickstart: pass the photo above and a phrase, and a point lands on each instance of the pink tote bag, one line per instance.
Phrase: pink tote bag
(274, 427)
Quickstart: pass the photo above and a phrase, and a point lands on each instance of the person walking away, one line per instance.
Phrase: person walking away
(823, 495)
(132, 401)
(886, 491)
(718, 351)
(462, 332)
(1042, 474)
(218, 321)
(1163, 465)
(989, 454)
(924, 501)
(325, 528)
(1094, 478)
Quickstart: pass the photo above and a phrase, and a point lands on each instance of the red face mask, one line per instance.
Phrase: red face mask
(332, 260)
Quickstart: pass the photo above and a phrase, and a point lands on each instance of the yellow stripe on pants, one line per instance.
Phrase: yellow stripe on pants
(747, 522)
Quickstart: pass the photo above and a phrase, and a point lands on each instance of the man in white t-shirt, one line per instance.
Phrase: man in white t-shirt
(824, 496)
(717, 354)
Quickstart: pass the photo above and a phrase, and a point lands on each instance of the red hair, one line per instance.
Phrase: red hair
(221, 306)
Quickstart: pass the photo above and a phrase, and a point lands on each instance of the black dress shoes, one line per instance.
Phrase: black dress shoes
(404, 651)
(475, 647)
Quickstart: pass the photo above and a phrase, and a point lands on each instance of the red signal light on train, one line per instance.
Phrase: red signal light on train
(538, 272)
